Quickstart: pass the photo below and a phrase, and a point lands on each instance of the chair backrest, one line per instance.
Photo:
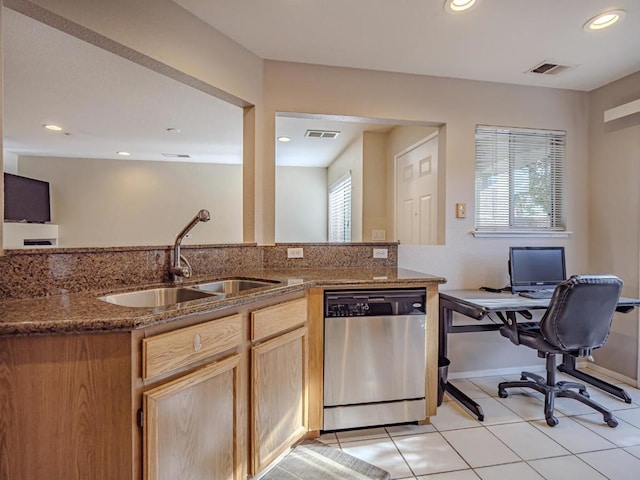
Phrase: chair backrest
(580, 312)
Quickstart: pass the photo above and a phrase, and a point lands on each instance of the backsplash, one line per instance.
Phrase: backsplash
(329, 255)
(43, 272)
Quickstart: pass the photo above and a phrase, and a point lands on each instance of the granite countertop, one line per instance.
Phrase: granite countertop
(84, 312)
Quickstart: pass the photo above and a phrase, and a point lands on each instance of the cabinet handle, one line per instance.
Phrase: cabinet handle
(197, 342)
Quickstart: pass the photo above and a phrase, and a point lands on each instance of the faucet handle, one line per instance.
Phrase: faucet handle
(186, 271)
(178, 273)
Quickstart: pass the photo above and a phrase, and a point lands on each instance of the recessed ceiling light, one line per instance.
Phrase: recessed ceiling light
(458, 6)
(284, 139)
(604, 20)
(50, 126)
(124, 154)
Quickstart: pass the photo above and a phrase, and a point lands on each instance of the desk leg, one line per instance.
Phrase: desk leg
(466, 402)
(568, 366)
(445, 322)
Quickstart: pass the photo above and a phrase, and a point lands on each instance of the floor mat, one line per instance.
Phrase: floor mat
(314, 460)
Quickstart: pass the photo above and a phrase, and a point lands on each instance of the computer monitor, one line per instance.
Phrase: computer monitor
(536, 268)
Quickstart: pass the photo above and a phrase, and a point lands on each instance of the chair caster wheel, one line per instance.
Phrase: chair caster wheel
(612, 422)
(552, 421)
(503, 393)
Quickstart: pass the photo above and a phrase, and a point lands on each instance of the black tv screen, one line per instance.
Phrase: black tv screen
(26, 199)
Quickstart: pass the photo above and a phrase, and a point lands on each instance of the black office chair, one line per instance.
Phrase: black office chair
(577, 321)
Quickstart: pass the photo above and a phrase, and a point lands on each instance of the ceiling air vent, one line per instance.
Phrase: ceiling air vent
(549, 68)
(176, 155)
(321, 134)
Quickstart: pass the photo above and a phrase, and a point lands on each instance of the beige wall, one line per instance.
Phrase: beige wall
(163, 31)
(1, 132)
(459, 105)
(165, 37)
(98, 202)
(374, 184)
(301, 204)
(614, 204)
(350, 160)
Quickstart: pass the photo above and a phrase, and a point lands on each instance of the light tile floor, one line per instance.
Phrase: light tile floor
(514, 441)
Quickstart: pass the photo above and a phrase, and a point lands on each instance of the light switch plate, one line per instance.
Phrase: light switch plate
(295, 253)
(378, 235)
(461, 210)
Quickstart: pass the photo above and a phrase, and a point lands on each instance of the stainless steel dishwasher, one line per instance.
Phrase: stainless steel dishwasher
(374, 357)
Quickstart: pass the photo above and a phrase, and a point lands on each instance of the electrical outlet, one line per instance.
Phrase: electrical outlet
(380, 253)
(295, 253)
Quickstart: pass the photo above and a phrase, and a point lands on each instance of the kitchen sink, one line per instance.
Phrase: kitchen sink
(234, 286)
(157, 297)
(160, 297)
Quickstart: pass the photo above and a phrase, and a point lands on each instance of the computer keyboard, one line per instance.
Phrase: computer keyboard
(537, 294)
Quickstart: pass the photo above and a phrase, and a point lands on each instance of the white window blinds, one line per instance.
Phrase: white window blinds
(340, 210)
(519, 179)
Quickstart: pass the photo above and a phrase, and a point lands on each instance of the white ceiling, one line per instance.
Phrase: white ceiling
(497, 40)
(107, 104)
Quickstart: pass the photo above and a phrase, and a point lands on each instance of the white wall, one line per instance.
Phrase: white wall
(98, 202)
(301, 204)
(614, 203)
(458, 105)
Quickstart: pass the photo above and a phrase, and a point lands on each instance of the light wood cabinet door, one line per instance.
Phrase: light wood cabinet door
(191, 425)
(278, 394)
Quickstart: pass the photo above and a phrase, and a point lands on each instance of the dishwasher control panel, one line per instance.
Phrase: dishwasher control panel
(367, 303)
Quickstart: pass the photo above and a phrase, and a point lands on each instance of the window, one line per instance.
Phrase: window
(340, 210)
(519, 184)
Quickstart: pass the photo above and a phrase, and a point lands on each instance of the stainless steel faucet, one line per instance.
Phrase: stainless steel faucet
(177, 271)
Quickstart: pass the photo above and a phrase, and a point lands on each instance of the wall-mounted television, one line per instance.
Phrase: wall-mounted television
(26, 199)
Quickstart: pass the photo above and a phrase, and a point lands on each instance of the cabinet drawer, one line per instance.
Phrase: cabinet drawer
(269, 321)
(172, 350)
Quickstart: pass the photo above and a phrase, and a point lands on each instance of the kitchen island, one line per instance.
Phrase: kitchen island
(96, 390)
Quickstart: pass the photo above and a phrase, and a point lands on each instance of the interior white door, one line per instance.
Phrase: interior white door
(417, 193)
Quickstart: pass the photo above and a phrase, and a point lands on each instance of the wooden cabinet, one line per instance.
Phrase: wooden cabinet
(191, 425)
(66, 407)
(186, 346)
(192, 422)
(198, 397)
(278, 381)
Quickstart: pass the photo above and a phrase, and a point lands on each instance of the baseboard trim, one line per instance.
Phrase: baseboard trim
(605, 371)
(541, 368)
(496, 372)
